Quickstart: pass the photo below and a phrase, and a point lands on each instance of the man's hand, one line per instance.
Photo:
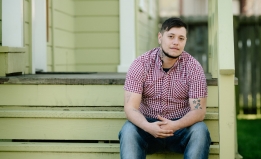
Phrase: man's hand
(156, 130)
(170, 125)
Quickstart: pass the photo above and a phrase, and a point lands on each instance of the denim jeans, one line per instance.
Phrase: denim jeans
(193, 142)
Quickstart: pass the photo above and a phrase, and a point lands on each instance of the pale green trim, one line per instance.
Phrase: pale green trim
(52, 35)
(69, 147)
(6, 49)
(227, 71)
(74, 114)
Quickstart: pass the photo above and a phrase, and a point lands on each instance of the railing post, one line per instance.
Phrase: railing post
(221, 53)
(226, 77)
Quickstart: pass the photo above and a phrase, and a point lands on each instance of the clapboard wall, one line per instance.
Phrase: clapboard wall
(61, 36)
(147, 25)
(97, 35)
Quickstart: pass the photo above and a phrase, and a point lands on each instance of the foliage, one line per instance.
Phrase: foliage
(249, 138)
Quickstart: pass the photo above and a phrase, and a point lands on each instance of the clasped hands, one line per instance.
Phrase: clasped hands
(163, 128)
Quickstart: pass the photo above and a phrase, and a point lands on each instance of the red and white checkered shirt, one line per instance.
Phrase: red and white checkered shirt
(166, 94)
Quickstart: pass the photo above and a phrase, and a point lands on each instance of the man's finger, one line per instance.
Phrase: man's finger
(167, 132)
(160, 117)
(164, 135)
(161, 123)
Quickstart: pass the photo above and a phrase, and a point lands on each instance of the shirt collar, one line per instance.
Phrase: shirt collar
(159, 61)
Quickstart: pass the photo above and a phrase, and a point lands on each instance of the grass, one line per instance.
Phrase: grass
(249, 138)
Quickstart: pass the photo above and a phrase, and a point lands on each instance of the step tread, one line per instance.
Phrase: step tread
(91, 78)
(67, 113)
(70, 147)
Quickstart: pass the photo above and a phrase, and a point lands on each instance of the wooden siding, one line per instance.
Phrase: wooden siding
(197, 39)
(147, 26)
(61, 42)
(97, 35)
(247, 34)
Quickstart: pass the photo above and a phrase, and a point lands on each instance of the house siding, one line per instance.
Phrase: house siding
(97, 35)
(84, 36)
(147, 25)
(61, 42)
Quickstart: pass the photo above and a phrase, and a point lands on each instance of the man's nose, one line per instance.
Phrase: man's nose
(175, 41)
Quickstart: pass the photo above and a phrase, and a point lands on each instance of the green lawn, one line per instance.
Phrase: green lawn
(249, 138)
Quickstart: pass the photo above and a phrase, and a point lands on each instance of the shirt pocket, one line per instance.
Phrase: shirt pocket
(179, 90)
(150, 90)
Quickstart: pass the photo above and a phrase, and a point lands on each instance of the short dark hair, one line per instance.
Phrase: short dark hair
(171, 23)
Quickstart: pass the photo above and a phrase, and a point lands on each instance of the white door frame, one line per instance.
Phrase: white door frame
(39, 36)
(127, 34)
(13, 32)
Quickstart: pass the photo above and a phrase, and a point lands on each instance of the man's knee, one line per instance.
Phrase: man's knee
(200, 131)
(127, 130)
(131, 143)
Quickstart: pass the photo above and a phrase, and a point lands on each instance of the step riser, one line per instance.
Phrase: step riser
(21, 150)
(33, 155)
(71, 129)
(73, 95)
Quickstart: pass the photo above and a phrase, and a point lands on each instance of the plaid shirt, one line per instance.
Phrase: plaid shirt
(166, 94)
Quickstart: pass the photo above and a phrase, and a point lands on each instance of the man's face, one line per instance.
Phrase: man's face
(173, 41)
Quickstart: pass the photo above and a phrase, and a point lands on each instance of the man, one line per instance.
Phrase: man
(165, 100)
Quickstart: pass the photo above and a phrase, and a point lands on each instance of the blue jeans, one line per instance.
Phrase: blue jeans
(193, 142)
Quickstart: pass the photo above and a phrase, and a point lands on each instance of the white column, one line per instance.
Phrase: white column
(12, 23)
(39, 35)
(127, 34)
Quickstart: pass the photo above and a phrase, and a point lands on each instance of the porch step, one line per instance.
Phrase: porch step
(12, 150)
(74, 112)
(68, 123)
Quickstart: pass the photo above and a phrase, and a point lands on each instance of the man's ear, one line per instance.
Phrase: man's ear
(159, 37)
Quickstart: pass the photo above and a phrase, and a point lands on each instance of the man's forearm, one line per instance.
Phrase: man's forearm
(136, 117)
(196, 114)
(189, 119)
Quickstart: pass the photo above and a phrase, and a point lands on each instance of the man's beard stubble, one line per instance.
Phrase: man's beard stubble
(168, 55)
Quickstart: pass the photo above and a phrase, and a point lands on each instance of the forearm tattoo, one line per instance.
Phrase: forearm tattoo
(196, 104)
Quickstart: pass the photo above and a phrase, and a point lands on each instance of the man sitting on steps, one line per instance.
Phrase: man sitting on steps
(165, 100)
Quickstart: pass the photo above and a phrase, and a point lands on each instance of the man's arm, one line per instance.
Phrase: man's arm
(131, 108)
(196, 114)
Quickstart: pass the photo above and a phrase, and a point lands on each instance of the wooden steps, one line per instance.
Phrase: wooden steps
(73, 116)
(74, 124)
(75, 150)
(44, 132)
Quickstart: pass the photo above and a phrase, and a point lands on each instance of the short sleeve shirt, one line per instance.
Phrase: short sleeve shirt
(166, 93)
